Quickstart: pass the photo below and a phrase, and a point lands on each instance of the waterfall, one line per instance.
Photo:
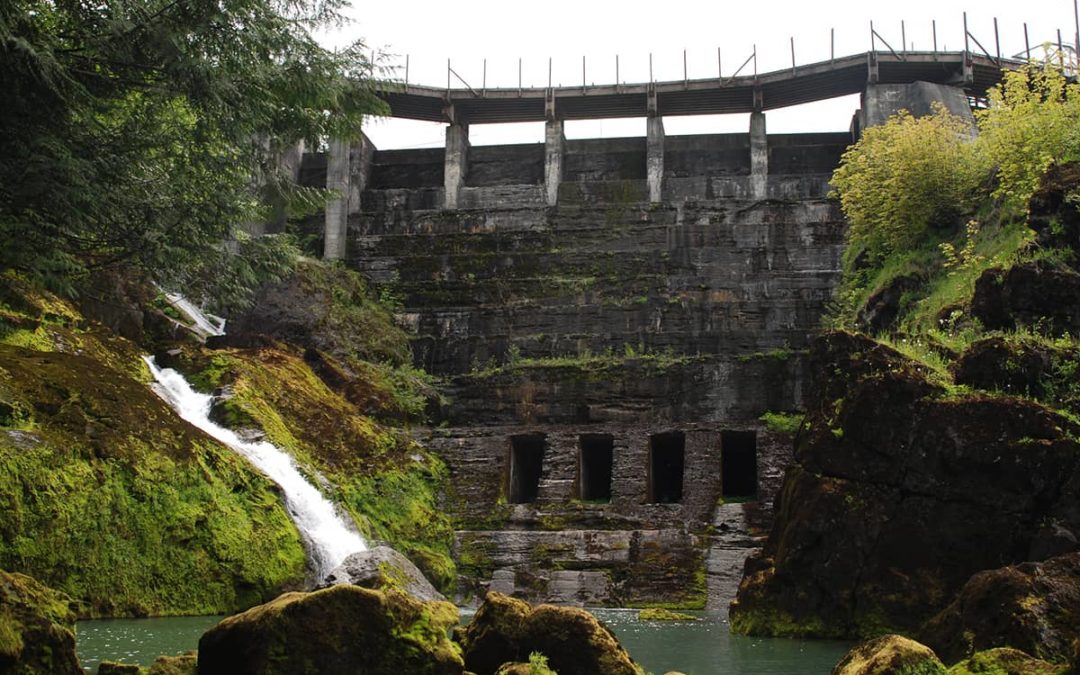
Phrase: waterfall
(330, 539)
(202, 323)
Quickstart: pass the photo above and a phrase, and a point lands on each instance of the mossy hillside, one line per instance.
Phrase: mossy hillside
(385, 481)
(925, 280)
(108, 496)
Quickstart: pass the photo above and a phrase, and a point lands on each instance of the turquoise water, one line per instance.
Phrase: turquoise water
(138, 640)
(705, 647)
(702, 647)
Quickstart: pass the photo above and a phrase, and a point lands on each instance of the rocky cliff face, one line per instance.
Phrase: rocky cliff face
(903, 488)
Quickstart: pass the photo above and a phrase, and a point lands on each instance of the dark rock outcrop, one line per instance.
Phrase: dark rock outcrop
(890, 655)
(339, 630)
(383, 568)
(506, 630)
(884, 306)
(1054, 217)
(320, 307)
(36, 628)
(899, 494)
(1034, 607)
(993, 363)
(1029, 294)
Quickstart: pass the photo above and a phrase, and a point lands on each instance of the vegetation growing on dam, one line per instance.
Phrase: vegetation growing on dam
(944, 221)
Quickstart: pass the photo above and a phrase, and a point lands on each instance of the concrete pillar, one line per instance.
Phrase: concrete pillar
(337, 209)
(759, 157)
(348, 165)
(554, 146)
(655, 158)
(456, 163)
(882, 101)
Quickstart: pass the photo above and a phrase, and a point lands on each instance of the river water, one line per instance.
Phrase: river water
(703, 647)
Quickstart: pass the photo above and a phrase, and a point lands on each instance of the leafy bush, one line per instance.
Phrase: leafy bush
(903, 177)
(1033, 121)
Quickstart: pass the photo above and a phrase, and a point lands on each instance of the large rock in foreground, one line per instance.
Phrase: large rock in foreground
(900, 492)
(890, 655)
(36, 629)
(507, 630)
(340, 630)
(383, 568)
(1034, 607)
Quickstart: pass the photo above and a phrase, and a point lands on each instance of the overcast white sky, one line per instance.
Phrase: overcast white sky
(468, 31)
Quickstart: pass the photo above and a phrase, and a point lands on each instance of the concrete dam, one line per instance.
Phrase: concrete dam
(612, 317)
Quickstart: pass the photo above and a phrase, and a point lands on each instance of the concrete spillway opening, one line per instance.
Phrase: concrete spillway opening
(738, 463)
(526, 465)
(595, 456)
(666, 460)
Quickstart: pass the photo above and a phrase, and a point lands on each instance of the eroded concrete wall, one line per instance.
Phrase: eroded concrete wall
(608, 313)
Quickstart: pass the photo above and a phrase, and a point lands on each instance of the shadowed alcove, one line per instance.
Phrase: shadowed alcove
(595, 455)
(666, 460)
(526, 465)
(738, 463)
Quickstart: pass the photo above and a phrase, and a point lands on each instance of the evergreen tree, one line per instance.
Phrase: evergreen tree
(133, 131)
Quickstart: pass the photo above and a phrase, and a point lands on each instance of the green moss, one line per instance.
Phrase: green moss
(784, 353)
(777, 623)
(659, 614)
(386, 482)
(114, 500)
(1005, 661)
(782, 422)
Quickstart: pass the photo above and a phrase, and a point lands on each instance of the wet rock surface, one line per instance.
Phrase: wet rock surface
(383, 568)
(1034, 607)
(899, 494)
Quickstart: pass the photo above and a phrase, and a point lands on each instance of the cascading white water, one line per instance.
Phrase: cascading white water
(203, 323)
(329, 537)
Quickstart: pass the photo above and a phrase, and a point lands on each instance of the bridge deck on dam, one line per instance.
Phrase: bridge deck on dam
(778, 89)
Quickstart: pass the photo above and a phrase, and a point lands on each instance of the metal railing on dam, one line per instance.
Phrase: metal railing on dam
(974, 73)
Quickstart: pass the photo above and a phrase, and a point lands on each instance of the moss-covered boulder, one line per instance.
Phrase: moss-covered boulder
(890, 655)
(383, 568)
(506, 630)
(36, 628)
(1004, 661)
(1034, 607)
(496, 633)
(901, 490)
(339, 630)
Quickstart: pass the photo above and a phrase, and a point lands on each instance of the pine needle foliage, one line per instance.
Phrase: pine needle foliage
(133, 132)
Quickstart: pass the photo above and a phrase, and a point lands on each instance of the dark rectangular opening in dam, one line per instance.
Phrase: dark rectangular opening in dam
(666, 461)
(526, 464)
(594, 466)
(738, 463)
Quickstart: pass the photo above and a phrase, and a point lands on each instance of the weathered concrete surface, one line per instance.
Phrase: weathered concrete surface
(456, 163)
(668, 289)
(882, 101)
